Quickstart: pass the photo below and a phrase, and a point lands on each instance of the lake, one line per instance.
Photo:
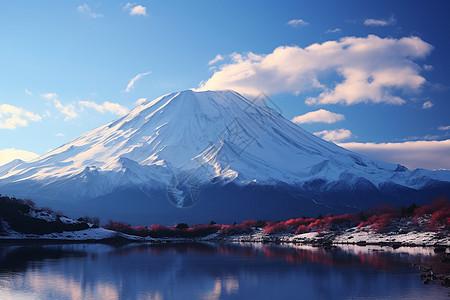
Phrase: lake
(213, 271)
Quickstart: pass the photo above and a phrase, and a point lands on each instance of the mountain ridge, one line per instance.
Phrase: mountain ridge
(187, 141)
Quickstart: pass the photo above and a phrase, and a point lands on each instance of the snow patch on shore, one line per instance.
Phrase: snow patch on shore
(350, 236)
(81, 235)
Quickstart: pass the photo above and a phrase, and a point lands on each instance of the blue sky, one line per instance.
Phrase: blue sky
(376, 78)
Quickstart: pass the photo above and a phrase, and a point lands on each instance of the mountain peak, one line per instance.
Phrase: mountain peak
(221, 131)
(192, 138)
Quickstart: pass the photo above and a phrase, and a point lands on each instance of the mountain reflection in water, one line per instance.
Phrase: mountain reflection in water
(213, 271)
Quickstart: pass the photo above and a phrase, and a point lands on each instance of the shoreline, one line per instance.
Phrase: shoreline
(326, 239)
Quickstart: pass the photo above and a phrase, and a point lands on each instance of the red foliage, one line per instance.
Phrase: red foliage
(379, 223)
(275, 227)
(440, 218)
(381, 218)
(202, 230)
(439, 209)
(244, 227)
(301, 229)
(337, 221)
(288, 226)
(142, 230)
(332, 223)
(436, 204)
(302, 225)
(318, 225)
(124, 228)
(249, 223)
(157, 231)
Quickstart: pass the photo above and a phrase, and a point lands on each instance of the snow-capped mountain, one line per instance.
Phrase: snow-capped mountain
(189, 148)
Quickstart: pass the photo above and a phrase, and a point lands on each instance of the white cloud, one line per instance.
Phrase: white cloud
(128, 6)
(50, 96)
(66, 109)
(427, 67)
(85, 9)
(138, 10)
(10, 154)
(431, 155)
(12, 117)
(140, 101)
(337, 135)
(380, 22)
(427, 105)
(135, 10)
(70, 111)
(372, 68)
(444, 128)
(215, 59)
(297, 22)
(134, 79)
(60, 134)
(28, 92)
(319, 116)
(333, 30)
(114, 108)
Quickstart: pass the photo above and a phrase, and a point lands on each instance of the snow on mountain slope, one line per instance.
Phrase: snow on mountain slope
(4, 169)
(202, 137)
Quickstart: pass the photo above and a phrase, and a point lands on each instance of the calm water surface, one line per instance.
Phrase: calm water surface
(213, 271)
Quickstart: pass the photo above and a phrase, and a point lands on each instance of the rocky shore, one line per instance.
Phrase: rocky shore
(351, 236)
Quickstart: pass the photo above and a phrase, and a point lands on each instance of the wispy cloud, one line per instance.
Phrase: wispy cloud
(297, 22)
(336, 135)
(132, 82)
(28, 92)
(60, 134)
(12, 117)
(85, 9)
(10, 154)
(380, 22)
(66, 109)
(444, 128)
(427, 104)
(135, 9)
(412, 154)
(215, 59)
(50, 96)
(427, 67)
(373, 69)
(114, 108)
(319, 116)
(333, 30)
